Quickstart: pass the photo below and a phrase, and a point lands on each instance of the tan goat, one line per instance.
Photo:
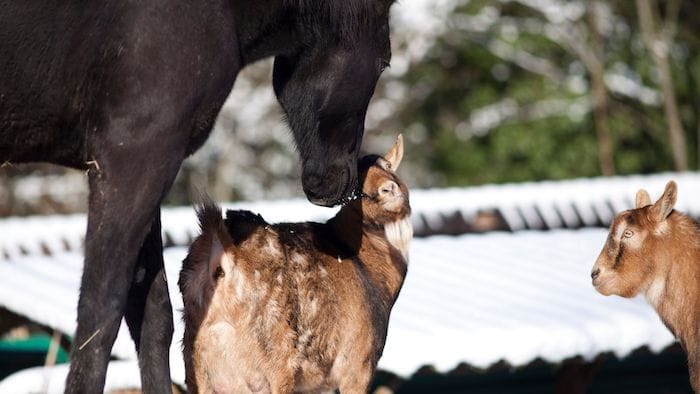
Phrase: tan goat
(655, 250)
(298, 307)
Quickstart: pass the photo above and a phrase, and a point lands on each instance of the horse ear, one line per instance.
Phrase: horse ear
(642, 199)
(395, 154)
(664, 205)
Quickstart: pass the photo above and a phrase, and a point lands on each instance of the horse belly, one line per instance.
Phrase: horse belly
(38, 82)
(38, 136)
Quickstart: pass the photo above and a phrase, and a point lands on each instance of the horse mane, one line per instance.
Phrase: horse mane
(347, 18)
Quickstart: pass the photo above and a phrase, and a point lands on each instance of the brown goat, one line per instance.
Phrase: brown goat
(655, 250)
(296, 306)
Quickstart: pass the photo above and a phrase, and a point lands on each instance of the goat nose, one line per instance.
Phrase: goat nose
(595, 273)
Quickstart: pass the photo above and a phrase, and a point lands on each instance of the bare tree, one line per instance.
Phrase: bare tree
(582, 38)
(658, 44)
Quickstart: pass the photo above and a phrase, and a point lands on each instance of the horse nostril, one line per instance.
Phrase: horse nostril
(595, 273)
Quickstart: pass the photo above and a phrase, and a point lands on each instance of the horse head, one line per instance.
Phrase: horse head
(325, 84)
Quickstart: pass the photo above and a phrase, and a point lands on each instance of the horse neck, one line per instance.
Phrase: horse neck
(265, 29)
(347, 225)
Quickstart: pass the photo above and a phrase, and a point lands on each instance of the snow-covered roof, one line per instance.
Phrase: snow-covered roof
(574, 203)
(583, 202)
(476, 298)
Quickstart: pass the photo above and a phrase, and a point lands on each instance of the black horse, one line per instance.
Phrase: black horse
(127, 90)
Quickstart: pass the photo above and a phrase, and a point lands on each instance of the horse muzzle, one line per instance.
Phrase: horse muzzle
(335, 185)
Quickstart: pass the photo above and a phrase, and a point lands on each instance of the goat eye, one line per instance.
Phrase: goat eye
(627, 233)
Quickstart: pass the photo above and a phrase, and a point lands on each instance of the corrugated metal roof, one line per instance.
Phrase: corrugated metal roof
(576, 203)
(543, 205)
(476, 299)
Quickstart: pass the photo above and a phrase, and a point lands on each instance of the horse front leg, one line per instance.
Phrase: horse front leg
(149, 312)
(127, 185)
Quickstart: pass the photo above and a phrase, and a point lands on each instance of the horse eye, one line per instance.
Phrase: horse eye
(627, 233)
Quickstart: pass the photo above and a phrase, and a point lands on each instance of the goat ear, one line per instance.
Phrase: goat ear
(220, 262)
(642, 199)
(664, 205)
(395, 154)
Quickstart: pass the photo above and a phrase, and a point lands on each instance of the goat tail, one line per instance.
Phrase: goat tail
(214, 244)
(209, 215)
(210, 255)
(211, 222)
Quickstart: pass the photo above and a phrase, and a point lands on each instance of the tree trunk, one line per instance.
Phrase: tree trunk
(658, 46)
(599, 94)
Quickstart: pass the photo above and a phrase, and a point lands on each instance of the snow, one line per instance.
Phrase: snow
(531, 205)
(479, 299)
(38, 235)
(416, 24)
(120, 375)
